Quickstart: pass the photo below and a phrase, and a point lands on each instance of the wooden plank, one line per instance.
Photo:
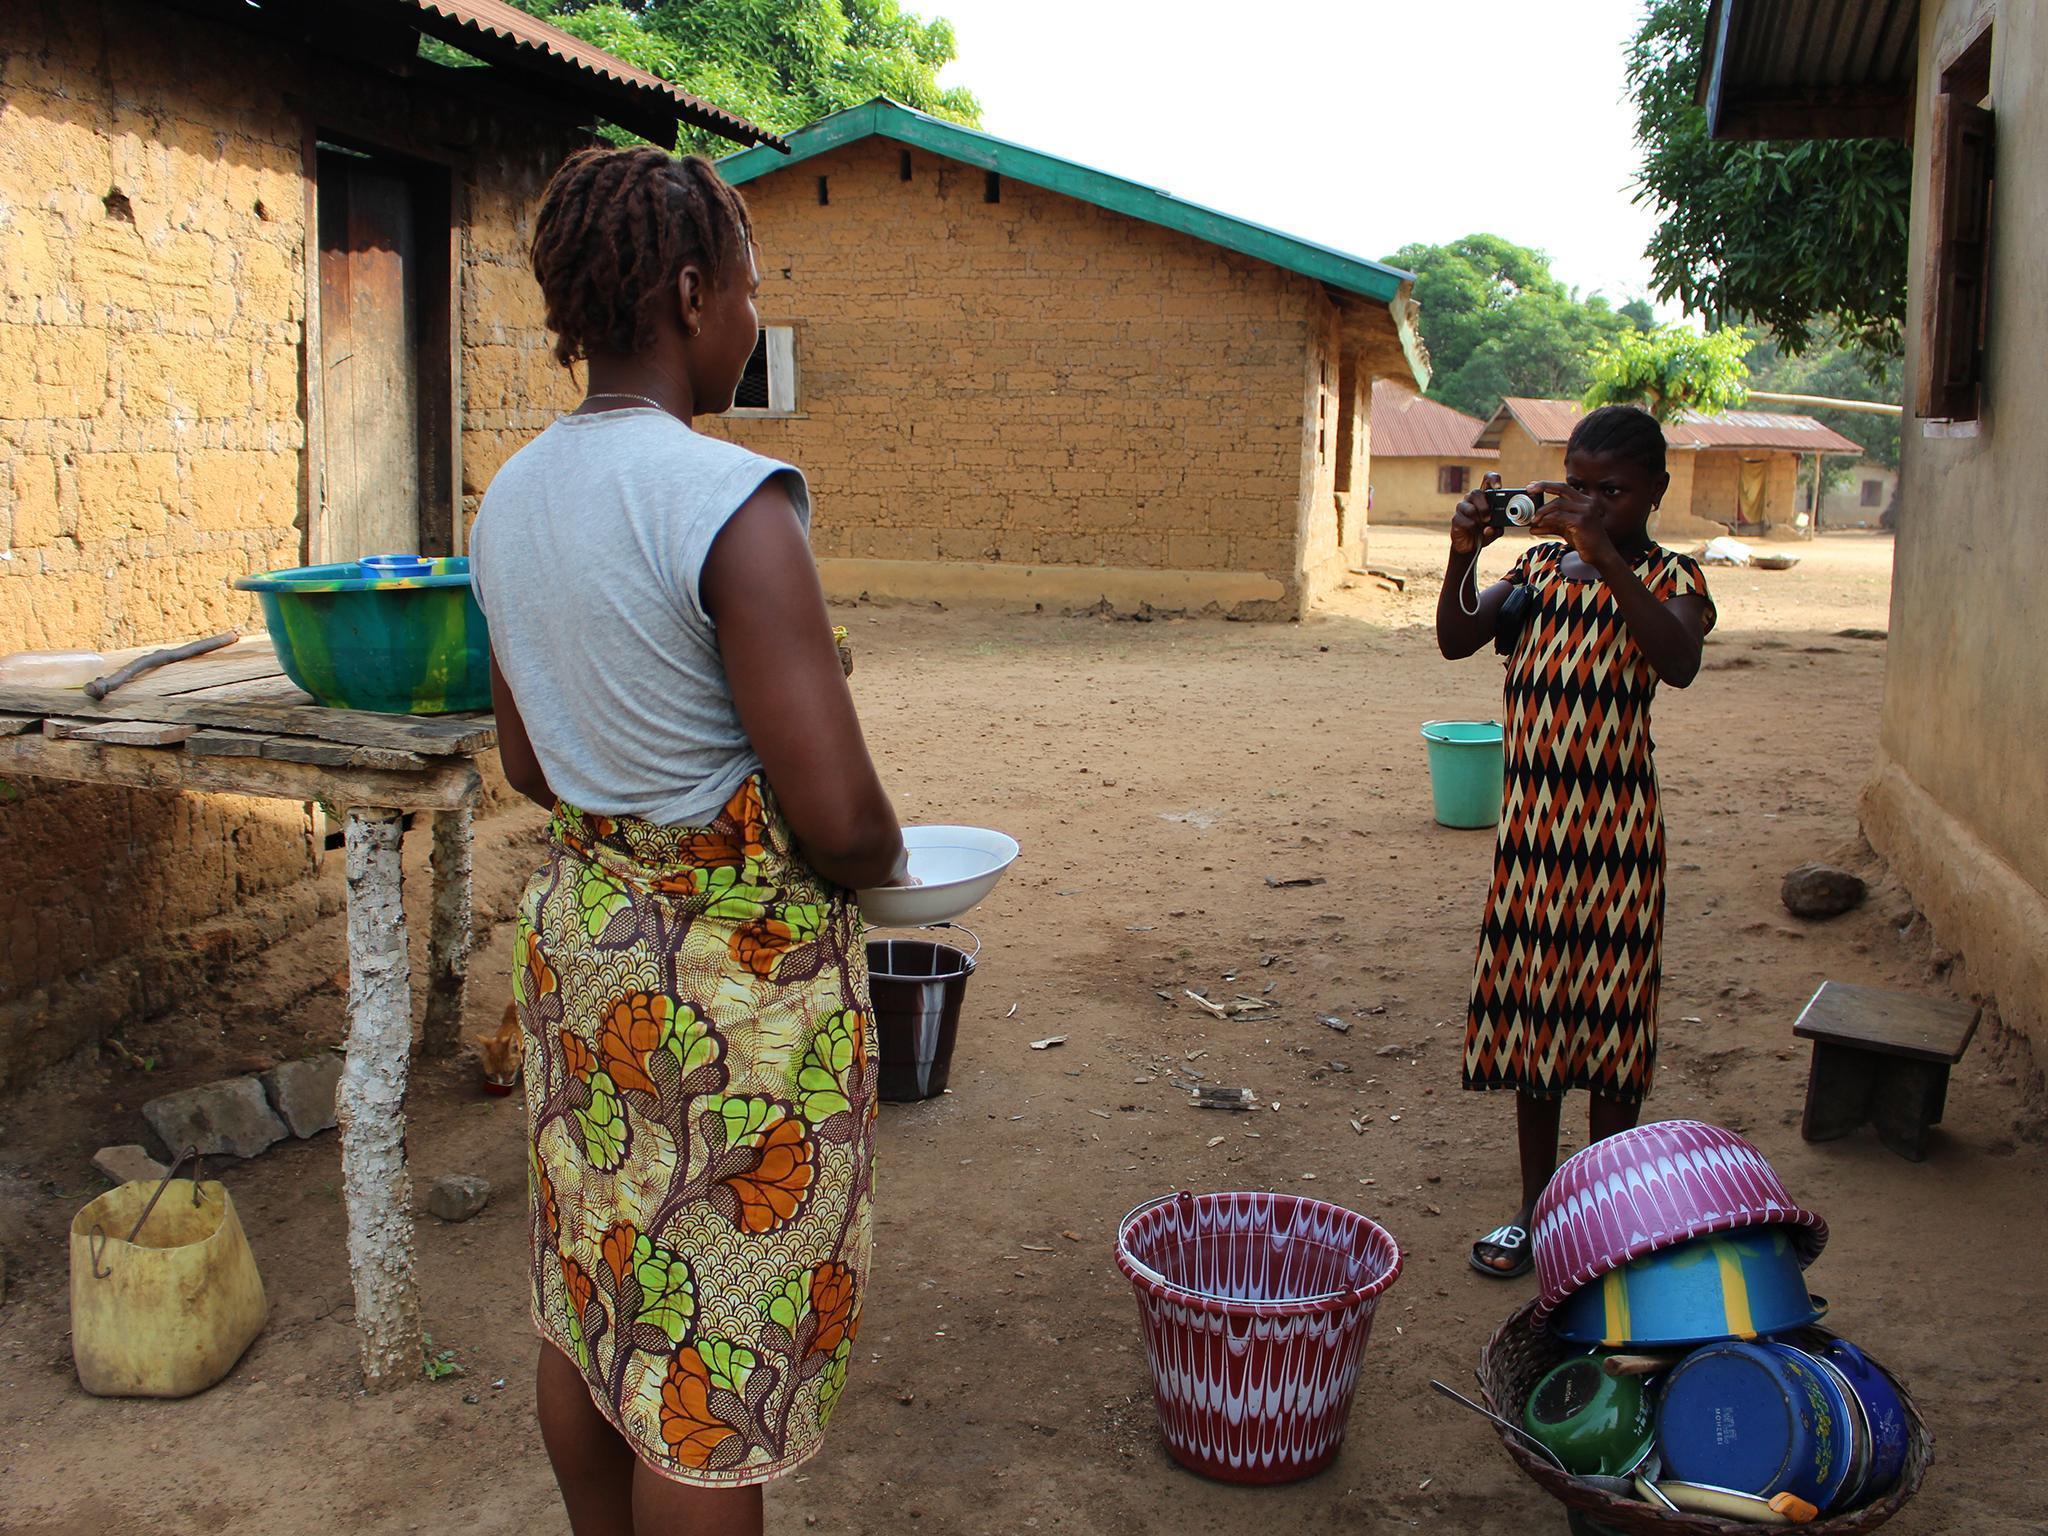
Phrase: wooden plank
(122, 733)
(444, 786)
(300, 749)
(205, 743)
(1890, 1023)
(275, 689)
(239, 664)
(329, 754)
(433, 735)
(17, 725)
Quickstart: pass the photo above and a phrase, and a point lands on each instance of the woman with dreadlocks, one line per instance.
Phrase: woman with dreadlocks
(1564, 994)
(689, 969)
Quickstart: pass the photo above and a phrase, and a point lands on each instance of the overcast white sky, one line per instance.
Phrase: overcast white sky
(1363, 124)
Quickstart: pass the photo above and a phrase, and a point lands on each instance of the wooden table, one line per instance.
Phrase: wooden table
(1884, 1056)
(232, 723)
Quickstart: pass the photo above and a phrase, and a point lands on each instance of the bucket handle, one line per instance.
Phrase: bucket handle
(98, 1241)
(973, 956)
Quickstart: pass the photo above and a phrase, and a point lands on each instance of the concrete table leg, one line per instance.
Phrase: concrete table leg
(448, 940)
(376, 1184)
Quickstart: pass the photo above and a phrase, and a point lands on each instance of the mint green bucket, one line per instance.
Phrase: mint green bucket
(1465, 771)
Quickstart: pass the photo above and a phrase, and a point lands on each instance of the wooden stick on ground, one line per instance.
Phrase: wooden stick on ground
(376, 1183)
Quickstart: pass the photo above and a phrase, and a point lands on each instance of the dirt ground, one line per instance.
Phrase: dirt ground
(1156, 774)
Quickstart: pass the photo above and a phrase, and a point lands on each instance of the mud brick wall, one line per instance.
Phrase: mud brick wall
(153, 281)
(1034, 380)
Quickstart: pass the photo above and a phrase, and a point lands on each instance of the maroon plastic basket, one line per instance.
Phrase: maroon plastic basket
(1255, 1310)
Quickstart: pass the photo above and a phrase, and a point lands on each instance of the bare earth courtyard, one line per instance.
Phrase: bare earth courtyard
(1157, 775)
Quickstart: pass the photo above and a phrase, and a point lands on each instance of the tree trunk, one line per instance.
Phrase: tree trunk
(376, 1184)
(448, 941)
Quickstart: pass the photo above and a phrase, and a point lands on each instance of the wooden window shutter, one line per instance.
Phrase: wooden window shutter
(1953, 371)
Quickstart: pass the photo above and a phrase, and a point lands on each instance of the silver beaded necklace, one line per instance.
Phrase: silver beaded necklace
(619, 394)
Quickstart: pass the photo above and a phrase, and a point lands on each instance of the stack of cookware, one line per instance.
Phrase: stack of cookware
(1674, 1355)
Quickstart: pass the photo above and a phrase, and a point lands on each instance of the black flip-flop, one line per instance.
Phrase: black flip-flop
(1509, 1239)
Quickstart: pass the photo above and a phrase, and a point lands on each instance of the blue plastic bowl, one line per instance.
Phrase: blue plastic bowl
(1757, 1418)
(1729, 1285)
(389, 566)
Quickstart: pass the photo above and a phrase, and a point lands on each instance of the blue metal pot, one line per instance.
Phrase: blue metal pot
(1730, 1285)
(1882, 1410)
(1761, 1419)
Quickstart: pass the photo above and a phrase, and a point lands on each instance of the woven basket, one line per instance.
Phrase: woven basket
(1518, 1354)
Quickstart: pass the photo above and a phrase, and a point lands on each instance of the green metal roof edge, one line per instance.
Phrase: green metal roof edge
(890, 120)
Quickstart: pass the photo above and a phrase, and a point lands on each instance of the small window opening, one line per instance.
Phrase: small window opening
(768, 384)
(824, 191)
(1450, 479)
(118, 206)
(752, 395)
(1872, 491)
(1959, 256)
(992, 188)
(903, 165)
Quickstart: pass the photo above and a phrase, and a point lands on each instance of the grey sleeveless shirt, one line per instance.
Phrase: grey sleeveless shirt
(587, 555)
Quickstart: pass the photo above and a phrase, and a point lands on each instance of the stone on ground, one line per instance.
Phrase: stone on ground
(459, 1196)
(125, 1165)
(231, 1117)
(302, 1092)
(1819, 890)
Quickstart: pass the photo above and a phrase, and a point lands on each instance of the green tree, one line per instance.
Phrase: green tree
(779, 63)
(1499, 323)
(1671, 370)
(1806, 238)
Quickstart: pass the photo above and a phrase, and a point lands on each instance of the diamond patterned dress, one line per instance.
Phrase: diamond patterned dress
(1564, 994)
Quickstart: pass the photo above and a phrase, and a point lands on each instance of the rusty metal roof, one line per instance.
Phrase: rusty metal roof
(503, 34)
(1807, 69)
(1406, 426)
(1551, 422)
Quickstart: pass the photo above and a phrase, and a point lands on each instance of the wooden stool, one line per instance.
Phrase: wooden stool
(1880, 1056)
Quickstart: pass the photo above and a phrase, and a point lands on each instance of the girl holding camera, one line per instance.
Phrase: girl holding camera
(1564, 994)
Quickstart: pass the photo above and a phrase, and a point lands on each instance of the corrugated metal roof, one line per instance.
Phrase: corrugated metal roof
(1809, 68)
(1759, 429)
(1406, 426)
(1551, 421)
(503, 34)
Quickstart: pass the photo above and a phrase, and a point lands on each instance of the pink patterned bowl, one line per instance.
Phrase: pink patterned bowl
(1651, 1188)
(1255, 1310)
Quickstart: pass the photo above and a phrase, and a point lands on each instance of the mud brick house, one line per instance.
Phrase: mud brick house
(263, 301)
(1737, 470)
(1014, 379)
(1423, 456)
(1955, 802)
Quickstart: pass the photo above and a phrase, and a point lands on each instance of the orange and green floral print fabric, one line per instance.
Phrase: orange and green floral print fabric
(700, 1089)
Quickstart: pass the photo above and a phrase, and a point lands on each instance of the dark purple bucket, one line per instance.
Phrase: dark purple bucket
(915, 987)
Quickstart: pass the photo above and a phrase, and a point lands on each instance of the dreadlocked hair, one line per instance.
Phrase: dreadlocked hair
(1620, 431)
(616, 227)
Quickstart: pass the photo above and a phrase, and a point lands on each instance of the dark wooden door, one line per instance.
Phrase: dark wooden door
(370, 339)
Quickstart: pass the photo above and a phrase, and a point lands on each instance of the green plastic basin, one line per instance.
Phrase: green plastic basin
(413, 645)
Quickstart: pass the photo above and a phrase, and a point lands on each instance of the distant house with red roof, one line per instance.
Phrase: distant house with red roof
(1738, 470)
(1423, 456)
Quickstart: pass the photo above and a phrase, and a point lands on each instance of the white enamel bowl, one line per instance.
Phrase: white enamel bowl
(955, 867)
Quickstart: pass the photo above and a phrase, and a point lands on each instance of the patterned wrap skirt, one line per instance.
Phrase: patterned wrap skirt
(700, 1092)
